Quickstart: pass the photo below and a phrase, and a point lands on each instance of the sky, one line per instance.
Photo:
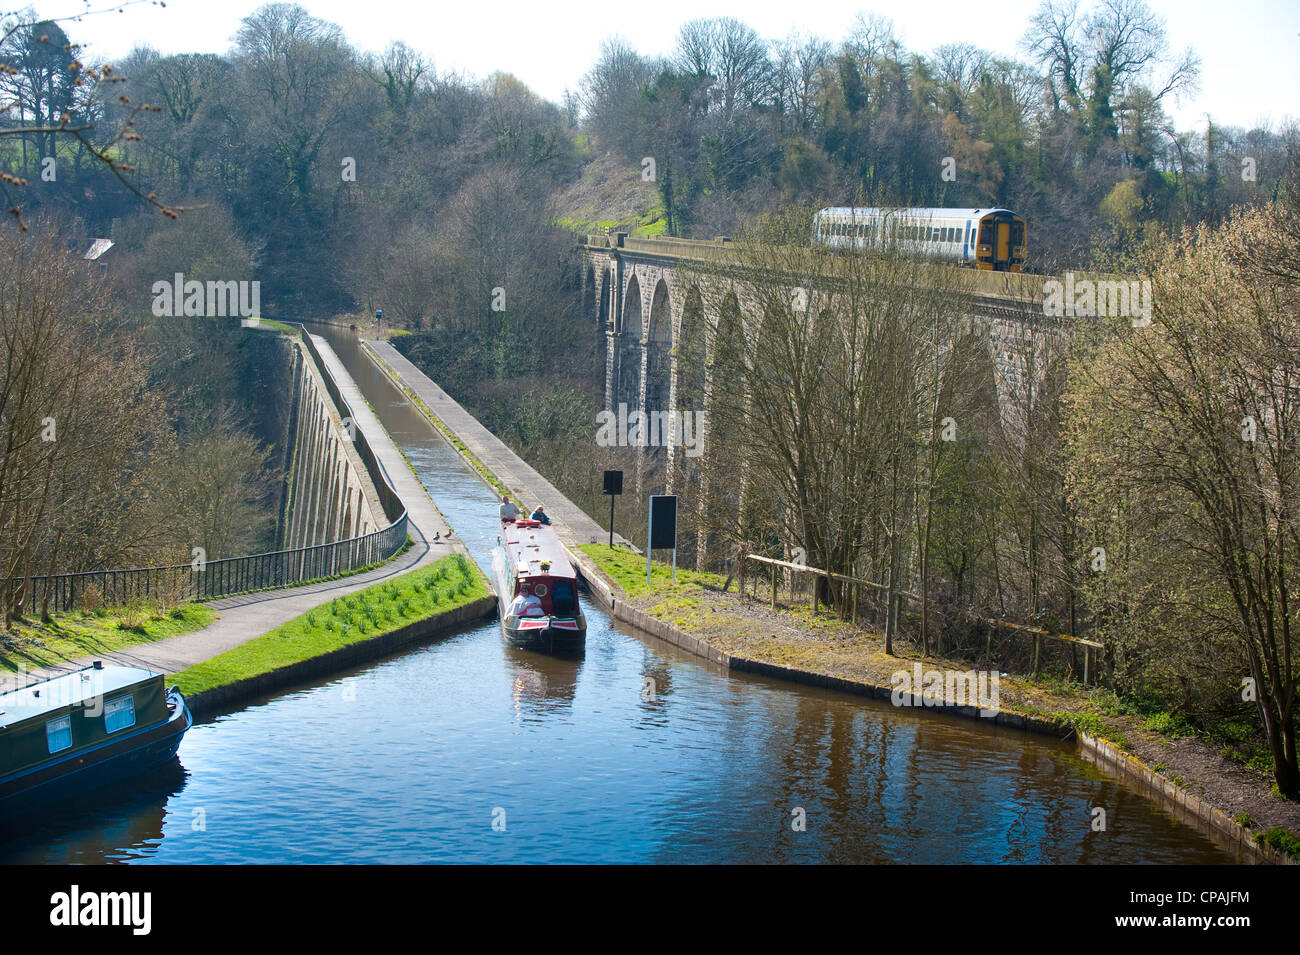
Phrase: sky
(1250, 49)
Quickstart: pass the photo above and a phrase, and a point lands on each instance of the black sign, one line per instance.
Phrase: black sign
(613, 482)
(663, 521)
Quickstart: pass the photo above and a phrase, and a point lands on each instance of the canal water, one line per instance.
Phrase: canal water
(469, 750)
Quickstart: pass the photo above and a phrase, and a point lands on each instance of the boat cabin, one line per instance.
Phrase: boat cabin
(76, 711)
(537, 565)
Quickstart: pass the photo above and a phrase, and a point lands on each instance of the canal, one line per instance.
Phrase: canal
(468, 750)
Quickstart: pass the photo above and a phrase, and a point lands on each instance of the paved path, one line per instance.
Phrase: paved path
(251, 615)
(572, 524)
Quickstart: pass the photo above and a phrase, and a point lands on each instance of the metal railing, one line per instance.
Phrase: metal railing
(207, 580)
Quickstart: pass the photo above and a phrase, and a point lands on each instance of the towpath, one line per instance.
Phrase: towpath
(250, 615)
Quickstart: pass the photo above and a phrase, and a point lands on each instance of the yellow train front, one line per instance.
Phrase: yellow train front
(993, 240)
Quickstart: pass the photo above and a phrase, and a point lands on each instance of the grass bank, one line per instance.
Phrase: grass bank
(382, 608)
(82, 633)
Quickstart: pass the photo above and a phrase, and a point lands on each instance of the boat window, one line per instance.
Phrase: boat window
(58, 734)
(119, 714)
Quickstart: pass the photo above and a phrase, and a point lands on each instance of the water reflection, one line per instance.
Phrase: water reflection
(128, 814)
(542, 686)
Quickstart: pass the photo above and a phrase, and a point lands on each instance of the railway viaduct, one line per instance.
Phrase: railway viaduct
(655, 297)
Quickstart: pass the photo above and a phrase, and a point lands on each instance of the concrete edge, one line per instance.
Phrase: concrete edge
(221, 697)
(1102, 752)
(1099, 751)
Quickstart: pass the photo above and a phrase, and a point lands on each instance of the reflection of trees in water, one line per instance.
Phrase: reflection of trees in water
(656, 686)
(883, 787)
(840, 763)
(121, 819)
(541, 685)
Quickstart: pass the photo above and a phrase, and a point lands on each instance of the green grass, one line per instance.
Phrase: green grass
(1283, 840)
(628, 571)
(379, 609)
(278, 326)
(80, 633)
(653, 222)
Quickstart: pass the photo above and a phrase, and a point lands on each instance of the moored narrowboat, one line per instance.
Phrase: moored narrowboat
(538, 590)
(62, 736)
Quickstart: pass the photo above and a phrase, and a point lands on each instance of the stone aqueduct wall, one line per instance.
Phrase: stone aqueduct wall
(639, 291)
(330, 494)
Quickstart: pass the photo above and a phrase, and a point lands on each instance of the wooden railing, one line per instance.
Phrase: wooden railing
(894, 597)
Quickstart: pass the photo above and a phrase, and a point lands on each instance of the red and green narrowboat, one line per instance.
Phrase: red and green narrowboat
(538, 590)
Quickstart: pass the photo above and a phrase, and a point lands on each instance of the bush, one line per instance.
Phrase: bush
(1283, 840)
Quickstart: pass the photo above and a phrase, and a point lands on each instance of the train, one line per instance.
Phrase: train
(988, 239)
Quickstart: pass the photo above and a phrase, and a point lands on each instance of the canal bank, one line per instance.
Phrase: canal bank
(505, 470)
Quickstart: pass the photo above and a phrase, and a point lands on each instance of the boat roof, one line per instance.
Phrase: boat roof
(69, 689)
(527, 548)
(912, 213)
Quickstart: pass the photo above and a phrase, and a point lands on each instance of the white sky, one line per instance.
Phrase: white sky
(1250, 48)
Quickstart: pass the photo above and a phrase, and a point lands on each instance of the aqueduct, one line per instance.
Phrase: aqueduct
(663, 302)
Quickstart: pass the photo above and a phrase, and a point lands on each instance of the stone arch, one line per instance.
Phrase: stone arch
(630, 324)
(690, 353)
(604, 292)
(724, 401)
(658, 347)
(629, 359)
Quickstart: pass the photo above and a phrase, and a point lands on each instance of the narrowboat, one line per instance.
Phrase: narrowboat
(538, 589)
(62, 736)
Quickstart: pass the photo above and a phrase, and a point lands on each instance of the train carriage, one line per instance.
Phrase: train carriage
(987, 239)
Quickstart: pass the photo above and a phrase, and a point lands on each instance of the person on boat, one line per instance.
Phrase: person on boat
(525, 605)
(508, 510)
(516, 606)
(539, 515)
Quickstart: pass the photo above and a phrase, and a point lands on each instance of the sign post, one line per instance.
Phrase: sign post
(613, 487)
(662, 530)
